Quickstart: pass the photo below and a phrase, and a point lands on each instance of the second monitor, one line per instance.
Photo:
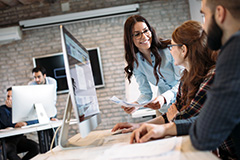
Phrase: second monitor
(82, 93)
(25, 98)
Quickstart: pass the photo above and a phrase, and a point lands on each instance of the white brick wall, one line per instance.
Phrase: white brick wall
(107, 34)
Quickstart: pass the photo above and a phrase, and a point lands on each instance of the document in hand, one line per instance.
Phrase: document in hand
(127, 104)
(167, 148)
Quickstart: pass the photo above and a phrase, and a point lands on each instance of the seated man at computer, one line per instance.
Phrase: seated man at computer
(40, 78)
(15, 144)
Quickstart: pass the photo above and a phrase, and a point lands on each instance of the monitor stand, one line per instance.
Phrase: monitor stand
(64, 134)
(41, 114)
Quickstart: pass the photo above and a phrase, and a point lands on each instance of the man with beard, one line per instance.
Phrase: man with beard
(219, 120)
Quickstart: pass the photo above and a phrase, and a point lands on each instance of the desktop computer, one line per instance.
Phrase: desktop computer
(82, 93)
(33, 102)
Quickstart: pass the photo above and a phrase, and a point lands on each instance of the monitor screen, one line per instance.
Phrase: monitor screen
(80, 81)
(25, 97)
(54, 66)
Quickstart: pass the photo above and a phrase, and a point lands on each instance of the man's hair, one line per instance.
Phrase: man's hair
(233, 6)
(39, 68)
(9, 89)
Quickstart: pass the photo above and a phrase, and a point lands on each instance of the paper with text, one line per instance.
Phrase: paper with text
(127, 104)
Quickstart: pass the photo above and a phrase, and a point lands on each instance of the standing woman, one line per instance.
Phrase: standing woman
(149, 60)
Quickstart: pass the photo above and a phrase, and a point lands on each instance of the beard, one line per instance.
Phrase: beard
(214, 35)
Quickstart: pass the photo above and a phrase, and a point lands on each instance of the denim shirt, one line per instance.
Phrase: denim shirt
(6, 118)
(167, 85)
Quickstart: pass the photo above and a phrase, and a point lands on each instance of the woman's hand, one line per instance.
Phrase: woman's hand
(157, 103)
(127, 127)
(130, 110)
(172, 112)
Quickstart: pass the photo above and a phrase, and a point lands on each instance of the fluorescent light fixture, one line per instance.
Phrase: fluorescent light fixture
(79, 16)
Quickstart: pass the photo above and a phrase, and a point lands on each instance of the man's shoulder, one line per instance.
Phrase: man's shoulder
(50, 79)
(32, 83)
(232, 43)
(2, 107)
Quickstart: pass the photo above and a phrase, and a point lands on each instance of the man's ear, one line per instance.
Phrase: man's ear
(44, 75)
(220, 14)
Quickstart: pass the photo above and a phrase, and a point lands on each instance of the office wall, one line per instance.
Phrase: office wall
(16, 58)
(195, 7)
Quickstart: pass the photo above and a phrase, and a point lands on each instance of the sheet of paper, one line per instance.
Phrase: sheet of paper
(126, 104)
(168, 148)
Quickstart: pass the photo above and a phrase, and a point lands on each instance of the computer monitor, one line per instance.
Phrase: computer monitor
(82, 94)
(27, 99)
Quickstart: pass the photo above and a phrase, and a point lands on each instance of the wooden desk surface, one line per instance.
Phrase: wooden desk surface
(94, 145)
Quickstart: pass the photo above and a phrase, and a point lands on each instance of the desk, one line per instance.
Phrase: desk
(94, 145)
(17, 131)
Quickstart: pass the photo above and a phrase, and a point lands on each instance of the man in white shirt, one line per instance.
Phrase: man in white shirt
(40, 77)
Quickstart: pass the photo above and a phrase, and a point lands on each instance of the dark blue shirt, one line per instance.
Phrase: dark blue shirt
(6, 118)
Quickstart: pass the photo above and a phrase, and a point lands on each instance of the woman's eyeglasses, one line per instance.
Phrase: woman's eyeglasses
(171, 45)
(138, 35)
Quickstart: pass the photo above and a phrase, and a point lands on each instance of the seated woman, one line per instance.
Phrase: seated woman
(189, 49)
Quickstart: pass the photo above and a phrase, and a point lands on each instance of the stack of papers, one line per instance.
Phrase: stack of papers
(168, 148)
(127, 104)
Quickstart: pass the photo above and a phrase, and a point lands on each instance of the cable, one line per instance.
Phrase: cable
(55, 133)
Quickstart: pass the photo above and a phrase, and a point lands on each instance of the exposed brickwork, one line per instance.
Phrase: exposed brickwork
(16, 58)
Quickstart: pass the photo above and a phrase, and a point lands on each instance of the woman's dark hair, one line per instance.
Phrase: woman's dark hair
(201, 59)
(131, 49)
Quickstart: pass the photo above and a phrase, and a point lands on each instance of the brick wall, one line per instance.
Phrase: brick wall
(16, 58)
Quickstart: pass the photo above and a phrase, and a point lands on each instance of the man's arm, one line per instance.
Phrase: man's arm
(5, 120)
(184, 125)
(221, 112)
(32, 122)
(148, 131)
